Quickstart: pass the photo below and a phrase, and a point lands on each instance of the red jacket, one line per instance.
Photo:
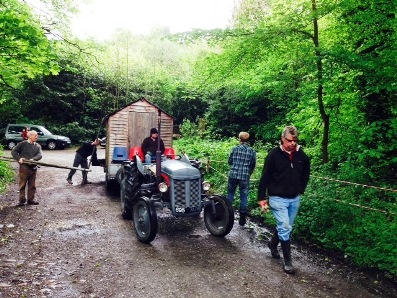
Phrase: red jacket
(24, 134)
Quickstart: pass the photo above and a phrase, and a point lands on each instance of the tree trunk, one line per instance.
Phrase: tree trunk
(324, 115)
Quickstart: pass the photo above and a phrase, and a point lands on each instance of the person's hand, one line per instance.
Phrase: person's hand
(264, 206)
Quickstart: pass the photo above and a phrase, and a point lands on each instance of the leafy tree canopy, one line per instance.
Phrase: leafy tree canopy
(25, 50)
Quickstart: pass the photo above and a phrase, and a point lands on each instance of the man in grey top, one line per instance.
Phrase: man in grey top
(27, 150)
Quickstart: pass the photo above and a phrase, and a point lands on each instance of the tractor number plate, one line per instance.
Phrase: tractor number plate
(187, 210)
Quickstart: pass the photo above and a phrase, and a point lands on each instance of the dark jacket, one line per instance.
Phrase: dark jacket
(284, 175)
(148, 145)
(87, 149)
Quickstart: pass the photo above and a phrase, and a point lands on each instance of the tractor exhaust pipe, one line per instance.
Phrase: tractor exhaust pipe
(158, 152)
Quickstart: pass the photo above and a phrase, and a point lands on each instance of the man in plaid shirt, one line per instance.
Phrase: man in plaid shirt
(242, 161)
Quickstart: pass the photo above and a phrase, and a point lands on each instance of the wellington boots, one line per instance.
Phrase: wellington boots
(272, 244)
(286, 247)
(243, 219)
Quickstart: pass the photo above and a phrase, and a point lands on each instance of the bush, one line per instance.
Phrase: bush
(75, 132)
(357, 221)
(6, 174)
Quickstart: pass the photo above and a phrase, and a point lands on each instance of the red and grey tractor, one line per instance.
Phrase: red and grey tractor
(175, 182)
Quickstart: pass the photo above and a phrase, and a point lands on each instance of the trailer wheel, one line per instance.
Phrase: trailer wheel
(219, 216)
(145, 220)
(125, 211)
(119, 176)
(111, 185)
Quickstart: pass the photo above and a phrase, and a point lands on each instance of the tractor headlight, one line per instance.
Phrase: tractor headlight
(163, 187)
(206, 185)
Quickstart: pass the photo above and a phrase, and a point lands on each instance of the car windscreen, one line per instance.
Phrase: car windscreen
(41, 129)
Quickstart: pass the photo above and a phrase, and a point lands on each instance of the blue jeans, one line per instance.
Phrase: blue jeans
(244, 186)
(150, 157)
(285, 211)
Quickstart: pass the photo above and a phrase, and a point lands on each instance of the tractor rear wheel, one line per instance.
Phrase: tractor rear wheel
(145, 220)
(126, 212)
(129, 189)
(219, 216)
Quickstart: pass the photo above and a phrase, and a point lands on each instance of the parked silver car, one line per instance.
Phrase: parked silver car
(13, 136)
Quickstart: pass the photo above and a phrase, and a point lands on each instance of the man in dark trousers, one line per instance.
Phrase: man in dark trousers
(27, 150)
(284, 179)
(80, 159)
(149, 146)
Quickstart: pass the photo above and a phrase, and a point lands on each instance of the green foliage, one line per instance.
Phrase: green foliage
(97, 79)
(212, 154)
(376, 147)
(26, 52)
(272, 57)
(185, 103)
(355, 220)
(76, 132)
(189, 129)
(6, 173)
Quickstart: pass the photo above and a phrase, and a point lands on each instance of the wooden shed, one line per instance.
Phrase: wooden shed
(128, 126)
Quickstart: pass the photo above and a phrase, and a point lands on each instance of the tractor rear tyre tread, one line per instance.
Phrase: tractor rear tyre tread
(126, 213)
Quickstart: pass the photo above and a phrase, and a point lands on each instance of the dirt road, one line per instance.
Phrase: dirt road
(75, 244)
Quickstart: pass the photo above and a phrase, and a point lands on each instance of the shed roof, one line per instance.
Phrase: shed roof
(106, 118)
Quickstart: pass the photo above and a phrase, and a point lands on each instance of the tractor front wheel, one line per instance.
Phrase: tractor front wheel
(145, 220)
(219, 216)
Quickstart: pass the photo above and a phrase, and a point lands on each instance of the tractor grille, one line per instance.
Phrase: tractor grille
(187, 193)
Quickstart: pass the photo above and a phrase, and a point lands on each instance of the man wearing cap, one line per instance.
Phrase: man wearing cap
(149, 146)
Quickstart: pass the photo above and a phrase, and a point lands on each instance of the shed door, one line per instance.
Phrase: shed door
(139, 124)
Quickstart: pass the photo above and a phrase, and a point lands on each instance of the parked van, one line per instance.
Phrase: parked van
(13, 136)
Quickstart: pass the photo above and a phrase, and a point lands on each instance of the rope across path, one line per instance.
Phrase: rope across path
(209, 166)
